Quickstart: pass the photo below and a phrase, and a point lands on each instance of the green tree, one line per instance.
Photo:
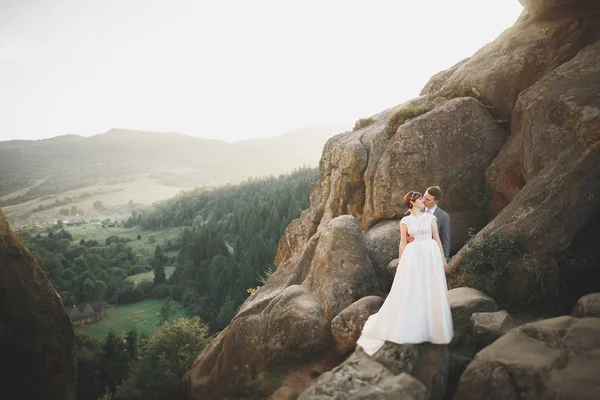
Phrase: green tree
(166, 311)
(226, 313)
(132, 343)
(159, 268)
(168, 355)
(114, 362)
(89, 386)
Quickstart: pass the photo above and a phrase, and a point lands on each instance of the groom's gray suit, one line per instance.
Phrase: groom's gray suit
(443, 222)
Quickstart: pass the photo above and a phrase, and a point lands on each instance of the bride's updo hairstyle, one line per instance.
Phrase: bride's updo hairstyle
(410, 197)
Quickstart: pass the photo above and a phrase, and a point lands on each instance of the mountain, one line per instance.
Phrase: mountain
(128, 167)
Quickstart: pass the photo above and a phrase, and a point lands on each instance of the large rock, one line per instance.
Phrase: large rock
(427, 362)
(364, 379)
(383, 242)
(557, 118)
(347, 326)
(452, 145)
(348, 166)
(392, 267)
(520, 56)
(546, 9)
(376, 141)
(464, 302)
(550, 171)
(340, 191)
(341, 271)
(37, 343)
(588, 306)
(289, 318)
(489, 326)
(551, 359)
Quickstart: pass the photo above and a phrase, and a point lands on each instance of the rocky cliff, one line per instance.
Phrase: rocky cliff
(510, 134)
(37, 343)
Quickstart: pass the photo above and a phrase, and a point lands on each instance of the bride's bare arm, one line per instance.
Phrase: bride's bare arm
(436, 237)
(403, 243)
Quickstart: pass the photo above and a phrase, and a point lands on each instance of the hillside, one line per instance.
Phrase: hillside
(124, 169)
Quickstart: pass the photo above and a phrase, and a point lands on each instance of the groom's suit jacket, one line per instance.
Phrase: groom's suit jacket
(443, 222)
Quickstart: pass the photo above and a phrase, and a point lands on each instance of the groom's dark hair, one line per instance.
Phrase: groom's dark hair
(435, 191)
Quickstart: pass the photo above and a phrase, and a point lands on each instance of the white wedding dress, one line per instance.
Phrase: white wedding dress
(417, 309)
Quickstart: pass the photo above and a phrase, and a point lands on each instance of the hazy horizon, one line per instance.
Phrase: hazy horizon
(229, 71)
(230, 141)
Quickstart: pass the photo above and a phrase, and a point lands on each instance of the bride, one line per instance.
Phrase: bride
(417, 309)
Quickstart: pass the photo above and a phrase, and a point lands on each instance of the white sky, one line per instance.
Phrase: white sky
(227, 70)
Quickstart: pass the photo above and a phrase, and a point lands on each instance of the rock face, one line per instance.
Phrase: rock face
(549, 169)
(365, 174)
(289, 317)
(522, 54)
(37, 343)
(453, 144)
(557, 358)
(546, 9)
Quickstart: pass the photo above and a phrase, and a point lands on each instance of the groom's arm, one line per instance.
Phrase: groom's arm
(445, 235)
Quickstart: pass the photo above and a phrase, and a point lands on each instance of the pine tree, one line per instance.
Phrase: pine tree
(159, 268)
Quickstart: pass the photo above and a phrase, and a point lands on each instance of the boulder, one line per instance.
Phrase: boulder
(364, 379)
(553, 359)
(392, 267)
(588, 306)
(37, 343)
(289, 318)
(341, 271)
(347, 326)
(464, 302)
(382, 242)
(427, 362)
(340, 191)
(489, 326)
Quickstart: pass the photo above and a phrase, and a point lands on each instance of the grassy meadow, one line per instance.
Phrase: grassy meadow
(118, 196)
(143, 316)
(149, 276)
(148, 241)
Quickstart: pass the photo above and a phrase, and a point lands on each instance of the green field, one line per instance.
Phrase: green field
(120, 319)
(92, 232)
(149, 276)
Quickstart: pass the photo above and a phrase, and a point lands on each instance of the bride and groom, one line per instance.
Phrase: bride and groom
(416, 309)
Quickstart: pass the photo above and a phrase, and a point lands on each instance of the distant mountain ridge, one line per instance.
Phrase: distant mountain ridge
(51, 167)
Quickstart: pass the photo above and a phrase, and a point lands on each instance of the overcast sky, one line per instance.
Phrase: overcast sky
(227, 70)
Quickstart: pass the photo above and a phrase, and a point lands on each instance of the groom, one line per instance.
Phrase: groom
(432, 196)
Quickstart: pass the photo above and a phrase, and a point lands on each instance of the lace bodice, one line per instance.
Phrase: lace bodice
(419, 227)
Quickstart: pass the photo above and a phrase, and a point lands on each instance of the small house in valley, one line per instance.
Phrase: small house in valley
(86, 313)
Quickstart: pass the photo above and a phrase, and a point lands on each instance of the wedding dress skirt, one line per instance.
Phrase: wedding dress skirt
(416, 309)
